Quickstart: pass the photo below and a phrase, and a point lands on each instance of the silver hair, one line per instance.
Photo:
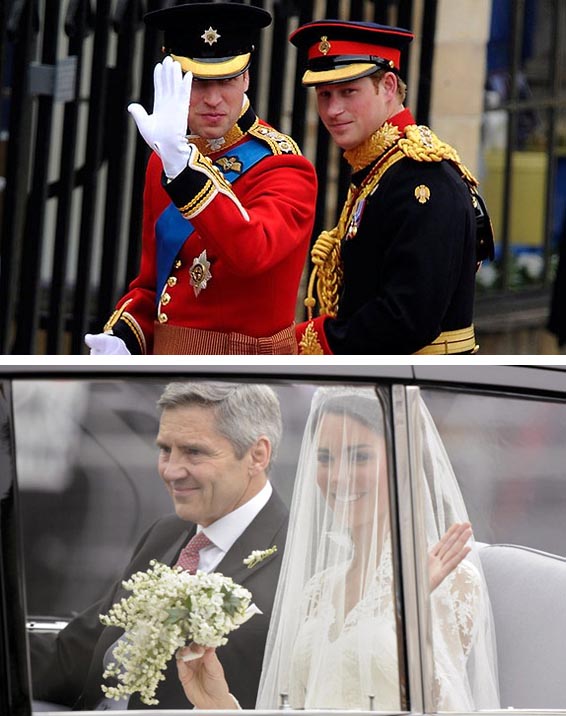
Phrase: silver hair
(243, 411)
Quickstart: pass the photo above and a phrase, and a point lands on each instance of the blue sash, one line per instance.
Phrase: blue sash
(172, 230)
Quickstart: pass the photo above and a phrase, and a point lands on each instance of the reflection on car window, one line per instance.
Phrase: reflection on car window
(508, 455)
(87, 471)
(107, 490)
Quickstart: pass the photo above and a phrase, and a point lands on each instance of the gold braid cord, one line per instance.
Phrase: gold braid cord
(419, 144)
(327, 272)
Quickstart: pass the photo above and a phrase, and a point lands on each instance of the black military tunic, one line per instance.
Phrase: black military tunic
(408, 256)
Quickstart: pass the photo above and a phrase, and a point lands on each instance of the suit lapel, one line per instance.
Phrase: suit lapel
(260, 534)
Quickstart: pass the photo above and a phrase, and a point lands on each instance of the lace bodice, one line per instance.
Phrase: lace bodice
(359, 655)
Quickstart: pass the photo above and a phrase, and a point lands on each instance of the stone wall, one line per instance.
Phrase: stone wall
(457, 96)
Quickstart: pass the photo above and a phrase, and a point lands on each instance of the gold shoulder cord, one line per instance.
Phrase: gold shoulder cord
(419, 144)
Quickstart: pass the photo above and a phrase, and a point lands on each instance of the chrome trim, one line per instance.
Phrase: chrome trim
(420, 547)
(407, 548)
(292, 712)
(50, 625)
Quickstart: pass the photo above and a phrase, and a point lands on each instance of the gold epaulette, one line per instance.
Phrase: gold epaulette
(421, 144)
(278, 142)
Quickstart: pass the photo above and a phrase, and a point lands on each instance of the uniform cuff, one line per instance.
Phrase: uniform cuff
(311, 337)
(195, 187)
(130, 334)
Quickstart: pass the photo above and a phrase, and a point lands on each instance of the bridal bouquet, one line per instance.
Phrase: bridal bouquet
(167, 609)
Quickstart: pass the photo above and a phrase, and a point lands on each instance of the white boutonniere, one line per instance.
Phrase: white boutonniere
(258, 555)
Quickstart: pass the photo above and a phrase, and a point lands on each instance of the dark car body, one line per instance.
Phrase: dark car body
(78, 485)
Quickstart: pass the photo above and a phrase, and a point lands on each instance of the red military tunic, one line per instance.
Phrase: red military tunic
(238, 273)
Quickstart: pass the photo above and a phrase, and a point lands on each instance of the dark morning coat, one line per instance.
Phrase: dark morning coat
(68, 670)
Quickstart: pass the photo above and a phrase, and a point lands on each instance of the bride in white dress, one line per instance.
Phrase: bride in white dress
(333, 639)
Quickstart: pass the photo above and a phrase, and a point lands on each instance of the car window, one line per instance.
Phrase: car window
(508, 455)
(89, 489)
(88, 481)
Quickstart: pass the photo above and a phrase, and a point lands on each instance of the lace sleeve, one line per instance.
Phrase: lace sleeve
(456, 606)
(465, 589)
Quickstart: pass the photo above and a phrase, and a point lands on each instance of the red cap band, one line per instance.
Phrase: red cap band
(329, 48)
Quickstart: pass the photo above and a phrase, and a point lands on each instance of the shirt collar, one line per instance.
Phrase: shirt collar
(226, 530)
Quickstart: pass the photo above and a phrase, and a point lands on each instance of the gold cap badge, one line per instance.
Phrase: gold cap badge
(324, 45)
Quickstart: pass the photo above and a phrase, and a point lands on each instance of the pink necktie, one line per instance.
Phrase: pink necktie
(189, 556)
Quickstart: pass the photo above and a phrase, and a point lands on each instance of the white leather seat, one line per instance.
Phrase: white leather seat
(527, 588)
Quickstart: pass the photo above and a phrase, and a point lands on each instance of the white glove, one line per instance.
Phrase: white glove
(103, 344)
(166, 129)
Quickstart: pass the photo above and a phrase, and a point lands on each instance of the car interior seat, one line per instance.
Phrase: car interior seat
(527, 589)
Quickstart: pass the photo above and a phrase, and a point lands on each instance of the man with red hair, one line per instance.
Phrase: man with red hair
(397, 274)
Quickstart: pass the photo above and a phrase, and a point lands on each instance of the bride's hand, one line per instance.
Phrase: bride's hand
(447, 554)
(202, 678)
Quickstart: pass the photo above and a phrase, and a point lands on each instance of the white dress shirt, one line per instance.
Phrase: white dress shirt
(225, 531)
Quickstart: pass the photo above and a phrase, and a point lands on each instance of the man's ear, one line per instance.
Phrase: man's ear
(260, 455)
(389, 83)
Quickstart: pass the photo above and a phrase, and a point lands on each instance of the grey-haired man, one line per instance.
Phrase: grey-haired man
(216, 443)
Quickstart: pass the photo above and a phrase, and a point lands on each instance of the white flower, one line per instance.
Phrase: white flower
(532, 265)
(167, 609)
(258, 555)
(487, 275)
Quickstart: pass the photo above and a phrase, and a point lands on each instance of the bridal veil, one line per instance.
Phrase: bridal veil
(333, 638)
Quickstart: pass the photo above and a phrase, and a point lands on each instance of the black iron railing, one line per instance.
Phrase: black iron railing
(70, 212)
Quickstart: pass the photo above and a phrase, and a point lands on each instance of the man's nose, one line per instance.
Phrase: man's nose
(174, 468)
(212, 96)
(335, 106)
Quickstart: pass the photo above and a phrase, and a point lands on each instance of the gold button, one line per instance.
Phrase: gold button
(178, 264)
(172, 281)
(163, 318)
(165, 299)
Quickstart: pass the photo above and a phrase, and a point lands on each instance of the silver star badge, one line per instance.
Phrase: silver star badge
(211, 36)
(200, 273)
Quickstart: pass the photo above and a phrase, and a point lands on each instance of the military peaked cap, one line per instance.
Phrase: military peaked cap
(212, 40)
(341, 50)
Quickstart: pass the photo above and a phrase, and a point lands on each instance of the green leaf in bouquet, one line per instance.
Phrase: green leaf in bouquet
(177, 614)
(231, 603)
